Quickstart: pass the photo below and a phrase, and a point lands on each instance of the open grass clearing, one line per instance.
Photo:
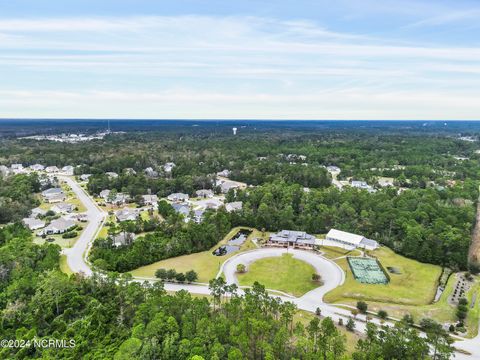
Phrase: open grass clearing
(283, 273)
(415, 285)
(204, 263)
(64, 265)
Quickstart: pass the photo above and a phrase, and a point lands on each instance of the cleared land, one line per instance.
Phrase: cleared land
(415, 285)
(64, 265)
(282, 273)
(204, 263)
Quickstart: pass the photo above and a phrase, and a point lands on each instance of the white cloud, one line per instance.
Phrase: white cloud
(230, 67)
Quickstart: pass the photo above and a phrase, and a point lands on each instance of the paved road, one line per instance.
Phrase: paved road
(332, 274)
(76, 255)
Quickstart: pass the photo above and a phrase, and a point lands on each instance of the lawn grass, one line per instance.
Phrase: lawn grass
(332, 252)
(64, 265)
(204, 263)
(284, 273)
(416, 285)
(77, 203)
(64, 243)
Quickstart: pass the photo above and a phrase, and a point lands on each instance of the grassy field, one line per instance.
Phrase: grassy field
(331, 252)
(64, 243)
(64, 266)
(282, 273)
(204, 263)
(416, 285)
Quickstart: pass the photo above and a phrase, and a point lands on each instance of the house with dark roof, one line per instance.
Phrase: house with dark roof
(294, 239)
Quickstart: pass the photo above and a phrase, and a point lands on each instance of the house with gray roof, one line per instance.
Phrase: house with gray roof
(36, 212)
(294, 239)
(54, 195)
(204, 193)
(183, 209)
(37, 167)
(121, 239)
(57, 226)
(149, 172)
(150, 199)
(127, 214)
(177, 197)
(62, 208)
(234, 206)
(33, 223)
(52, 169)
(68, 170)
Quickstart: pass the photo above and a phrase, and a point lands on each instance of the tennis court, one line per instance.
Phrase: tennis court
(367, 270)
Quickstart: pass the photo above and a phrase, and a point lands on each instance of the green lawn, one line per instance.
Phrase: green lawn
(282, 273)
(416, 285)
(64, 265)
(204, 263)
(64, 243)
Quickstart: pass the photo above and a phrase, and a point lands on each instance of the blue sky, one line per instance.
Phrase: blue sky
(259, 59)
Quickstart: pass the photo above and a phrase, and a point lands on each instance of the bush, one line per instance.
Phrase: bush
(241, 268)
(462, 301)
(316, 277)
(180, 277)
(362, 307)
(69, 235)
(191, 276)
(171, 274)
(382, 314)
(161, 274)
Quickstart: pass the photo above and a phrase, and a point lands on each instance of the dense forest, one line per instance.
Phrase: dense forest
(17, 196)
(112, 318)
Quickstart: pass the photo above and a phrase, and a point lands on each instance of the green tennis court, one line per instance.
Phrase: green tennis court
(367, 270)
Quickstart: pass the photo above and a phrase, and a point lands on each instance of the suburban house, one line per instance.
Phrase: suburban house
(123, 238)
(37, 212)
(84, 177)
(168, 167)
(17, 168)
(33, 224)
(228, 185)
(295, 239)
(150, 199)
(346, 239)
(111, 174)
(51, 169)
(333, 169)
(149, 172)
(62, 208)
(119, 198)
(234, 206)
(224, 173)
(127, 214)
(104, 194)
(58, 226)
(177, 197)
(54, 195)
(83, 217)
(37, 167)
(204, 193)
(67, 170)
(183, 209)
(362, 185)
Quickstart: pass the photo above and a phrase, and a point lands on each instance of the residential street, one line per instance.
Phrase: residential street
(76, 254)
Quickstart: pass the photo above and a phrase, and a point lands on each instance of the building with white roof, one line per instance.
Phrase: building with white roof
(347, 239)
(33, 223)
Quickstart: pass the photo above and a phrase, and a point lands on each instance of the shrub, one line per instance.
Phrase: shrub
(241, 268)
(180, 277)
(191, 276)
(161, 274)
(362, 307)
(382, 314)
